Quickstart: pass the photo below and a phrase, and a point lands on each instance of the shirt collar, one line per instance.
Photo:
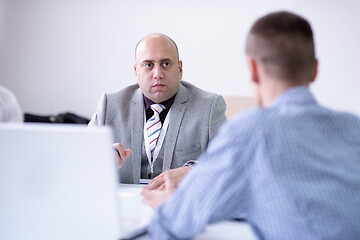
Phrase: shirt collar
(296, 95)
(167, 103)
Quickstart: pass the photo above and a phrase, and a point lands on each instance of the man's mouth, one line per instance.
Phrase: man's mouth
(158, 85)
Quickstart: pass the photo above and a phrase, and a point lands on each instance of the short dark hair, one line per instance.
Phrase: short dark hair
(283, 43)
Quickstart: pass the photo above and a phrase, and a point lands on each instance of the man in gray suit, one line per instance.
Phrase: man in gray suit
(151, 142)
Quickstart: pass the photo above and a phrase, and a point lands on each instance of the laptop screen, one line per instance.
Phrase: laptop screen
(57, 182)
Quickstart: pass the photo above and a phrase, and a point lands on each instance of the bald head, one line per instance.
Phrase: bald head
(282, 43)
(158, 37)
(158, 69)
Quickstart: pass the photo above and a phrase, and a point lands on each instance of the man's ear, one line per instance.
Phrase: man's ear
(315, 70)
(135, 70)
(180, 69)
(253, 70)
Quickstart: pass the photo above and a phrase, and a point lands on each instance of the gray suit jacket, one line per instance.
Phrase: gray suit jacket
(195, 117)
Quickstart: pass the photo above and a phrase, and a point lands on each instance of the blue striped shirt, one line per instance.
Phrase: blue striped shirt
(292, 170)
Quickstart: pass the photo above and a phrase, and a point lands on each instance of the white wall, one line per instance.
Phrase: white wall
(60, 55)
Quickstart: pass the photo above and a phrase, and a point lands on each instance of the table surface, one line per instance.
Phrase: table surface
(135, 213)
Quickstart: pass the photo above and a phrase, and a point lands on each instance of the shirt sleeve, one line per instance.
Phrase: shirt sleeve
(215, 190)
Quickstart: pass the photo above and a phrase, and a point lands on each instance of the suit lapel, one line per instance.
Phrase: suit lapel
(137, 128)
(177, 112)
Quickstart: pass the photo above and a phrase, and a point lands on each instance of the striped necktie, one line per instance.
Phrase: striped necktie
(153, 126)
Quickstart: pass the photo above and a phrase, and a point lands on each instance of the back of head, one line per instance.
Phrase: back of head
(282, 43)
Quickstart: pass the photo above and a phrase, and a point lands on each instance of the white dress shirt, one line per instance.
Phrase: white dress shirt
(9, 107)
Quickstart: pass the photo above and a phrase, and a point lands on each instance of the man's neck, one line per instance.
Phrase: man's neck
(272, 89)
(167, 103)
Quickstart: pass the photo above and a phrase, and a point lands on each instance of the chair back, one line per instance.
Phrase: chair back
(235, 104)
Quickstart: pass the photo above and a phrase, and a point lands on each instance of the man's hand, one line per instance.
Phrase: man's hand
(122, 154)
(156, 198)
(175, 174)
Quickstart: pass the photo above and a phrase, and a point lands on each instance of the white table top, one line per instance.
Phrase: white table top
(135, 212)
(227, 230)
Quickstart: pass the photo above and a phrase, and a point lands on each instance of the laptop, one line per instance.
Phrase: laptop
(59, 182)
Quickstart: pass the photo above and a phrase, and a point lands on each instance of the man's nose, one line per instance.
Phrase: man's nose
(158, 72)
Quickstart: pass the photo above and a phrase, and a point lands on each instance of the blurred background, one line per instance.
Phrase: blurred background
(60, 55)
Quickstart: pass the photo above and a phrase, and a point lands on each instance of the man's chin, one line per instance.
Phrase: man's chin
(160, 97)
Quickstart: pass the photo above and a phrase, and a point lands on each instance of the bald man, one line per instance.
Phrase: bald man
(161, 122)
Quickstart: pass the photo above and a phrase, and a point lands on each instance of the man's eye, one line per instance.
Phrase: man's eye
(166, 64)
(148, 65)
